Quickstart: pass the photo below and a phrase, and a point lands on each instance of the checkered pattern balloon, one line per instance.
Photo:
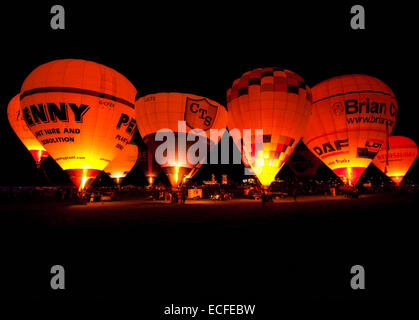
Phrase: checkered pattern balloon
(277, 101)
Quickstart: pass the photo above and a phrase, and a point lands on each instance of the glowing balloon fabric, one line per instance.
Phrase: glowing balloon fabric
(402, 152)
(19, 126)
(82, 113)
(123, 163)
(351, 119)
(148, 164)
(277, 101)
(163, 111)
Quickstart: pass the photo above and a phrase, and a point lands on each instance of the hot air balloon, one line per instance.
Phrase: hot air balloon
(19, 126)
(193, 172)
(351, 120)
(123, 163)
(303, 163)
(246, 163)
(82, 113)
(277, 101)
(180, 114)
(148, 164)
(395, 162)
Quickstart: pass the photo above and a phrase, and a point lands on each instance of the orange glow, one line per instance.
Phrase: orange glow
(400, 156)
(92, 108)
(83, 181)
(349, 175)
(163, 111)
(277, 101)
(14, 115)
(397, 179)
(265, 174)
(348, 125)
(123, 163)
(148, 165)
(176, 175)
(82, 178)
(191, 174)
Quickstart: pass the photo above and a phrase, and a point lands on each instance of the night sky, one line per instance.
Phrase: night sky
(201, 48)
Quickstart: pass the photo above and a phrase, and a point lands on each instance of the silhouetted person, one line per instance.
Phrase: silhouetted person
(263, 198)
(294, 194)
(183, 198)
(175, 197)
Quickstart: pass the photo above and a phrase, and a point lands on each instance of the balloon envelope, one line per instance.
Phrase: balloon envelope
(351, 119)
(395, 162)
(19, 126)
(277, 101)
(82, 113)
(163, 111)
(148, 165)
(123, 163)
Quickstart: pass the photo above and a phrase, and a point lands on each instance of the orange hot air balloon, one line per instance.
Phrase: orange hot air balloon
(19, 126)
(193, 172)
(197, 116)
(123, 163)
(82, 112)
(395, 162)
(277, 101)
(352, 118)
(148, 164)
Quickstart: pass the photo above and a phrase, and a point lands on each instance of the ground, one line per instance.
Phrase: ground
(213, 249)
